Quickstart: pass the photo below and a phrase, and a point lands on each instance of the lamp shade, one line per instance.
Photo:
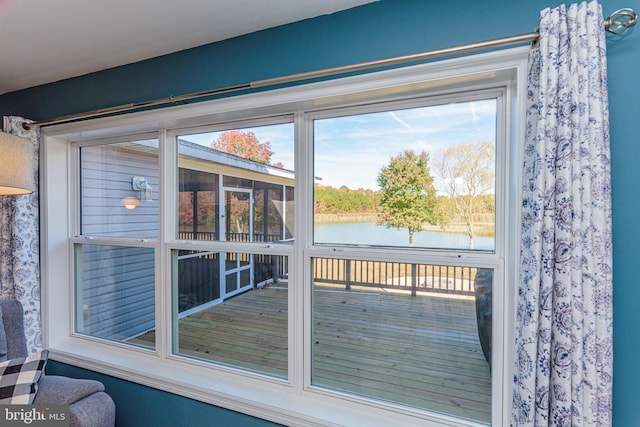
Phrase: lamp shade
(16, 165)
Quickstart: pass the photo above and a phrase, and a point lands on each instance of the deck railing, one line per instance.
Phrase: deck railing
(200, 235)
(231, 237)
(395, 275)
(410, 277)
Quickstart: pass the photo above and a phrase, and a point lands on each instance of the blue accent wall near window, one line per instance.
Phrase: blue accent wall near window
(137, 405)
(374, 31)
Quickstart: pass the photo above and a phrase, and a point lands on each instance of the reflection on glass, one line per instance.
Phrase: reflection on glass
(424, 177)
(115, 293)
(411, 334)
(232, 309)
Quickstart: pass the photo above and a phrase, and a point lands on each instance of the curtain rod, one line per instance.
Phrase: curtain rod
(618, 23)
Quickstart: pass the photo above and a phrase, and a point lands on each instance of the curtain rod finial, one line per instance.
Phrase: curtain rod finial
(621, 21)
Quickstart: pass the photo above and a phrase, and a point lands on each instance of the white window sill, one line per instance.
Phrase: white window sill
(265, 398)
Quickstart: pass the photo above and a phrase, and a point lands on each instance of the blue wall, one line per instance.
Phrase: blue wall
(140, 406)
(379, 30)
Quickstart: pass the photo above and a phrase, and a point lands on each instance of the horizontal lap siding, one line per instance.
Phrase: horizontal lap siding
(117, 291)
(117, 283)
(107, 172)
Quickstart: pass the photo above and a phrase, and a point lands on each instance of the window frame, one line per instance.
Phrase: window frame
(235, 389)
(493, 260)
(500, 94)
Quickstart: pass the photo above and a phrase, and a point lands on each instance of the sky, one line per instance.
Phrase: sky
(351, 150)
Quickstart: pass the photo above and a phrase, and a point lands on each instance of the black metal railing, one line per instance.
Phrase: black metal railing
(230, 237)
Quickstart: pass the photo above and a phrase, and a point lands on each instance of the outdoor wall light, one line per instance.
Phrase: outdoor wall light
(140, 183)
(130, 202)
(16, 165)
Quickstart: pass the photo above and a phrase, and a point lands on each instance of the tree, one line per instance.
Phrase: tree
(408, 196)
(468, 175)
(245, 145)
(343, 200)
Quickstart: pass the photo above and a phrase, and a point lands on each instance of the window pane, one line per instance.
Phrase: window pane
(119, 189)
(115, 293)
(248, 177)
(412, 334)
(418, 177)
(232, 309)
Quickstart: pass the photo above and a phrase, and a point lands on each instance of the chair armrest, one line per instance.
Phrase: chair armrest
(13, 323)
(57, 390)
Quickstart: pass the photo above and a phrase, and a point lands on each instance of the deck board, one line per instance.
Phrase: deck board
(418, 351)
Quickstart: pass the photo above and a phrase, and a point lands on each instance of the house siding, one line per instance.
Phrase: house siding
(106, 177)
(116, 286)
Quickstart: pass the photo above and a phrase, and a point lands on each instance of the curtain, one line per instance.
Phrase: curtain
(19, 244)
(563, 372)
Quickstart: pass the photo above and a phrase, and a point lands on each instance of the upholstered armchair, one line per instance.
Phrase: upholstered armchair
(88, 404)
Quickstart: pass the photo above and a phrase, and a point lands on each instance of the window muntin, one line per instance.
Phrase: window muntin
(407, 333)
(378, 171)
(231, 308)
(247, 174)
(115, 293)
(112, 179)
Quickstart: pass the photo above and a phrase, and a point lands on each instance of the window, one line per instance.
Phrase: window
(230, 306)
(342, 241)
(406, 332)
(115, 283)
(420, 170)
(248, 332)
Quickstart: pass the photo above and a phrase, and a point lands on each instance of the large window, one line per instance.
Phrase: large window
(315, 255)
(115, 282)
(411, 333)
(424, 176)
(230, 306)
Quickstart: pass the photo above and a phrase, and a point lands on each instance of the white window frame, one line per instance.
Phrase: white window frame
(293, 401)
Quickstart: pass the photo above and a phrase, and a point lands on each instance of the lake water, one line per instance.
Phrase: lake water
(368, 233)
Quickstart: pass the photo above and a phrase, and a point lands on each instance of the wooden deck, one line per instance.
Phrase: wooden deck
(418, 351)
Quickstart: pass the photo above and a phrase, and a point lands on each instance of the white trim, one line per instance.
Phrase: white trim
(293, 401)
(271, 400)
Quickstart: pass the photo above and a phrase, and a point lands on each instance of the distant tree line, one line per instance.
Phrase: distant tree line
(331, 200)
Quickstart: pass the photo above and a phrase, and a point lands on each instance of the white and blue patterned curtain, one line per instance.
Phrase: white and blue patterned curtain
(563, 373)
(19, 244)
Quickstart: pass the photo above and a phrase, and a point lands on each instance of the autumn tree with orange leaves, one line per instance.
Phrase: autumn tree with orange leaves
(245, 145)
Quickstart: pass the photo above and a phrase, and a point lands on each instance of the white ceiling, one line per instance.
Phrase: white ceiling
(43, 41)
